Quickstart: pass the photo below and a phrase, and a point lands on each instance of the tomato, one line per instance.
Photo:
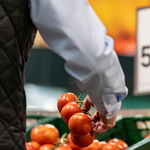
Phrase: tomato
(83, 141)
(112, 146)
(119, 141)
(80, 124)
(35, 144)
(147, 136)
(71, 144)
(64, 99)
(94, 146)
(68, 110)
(102, 143)
(45, 134)
(63, 147)
(29, 146)
(46, 147)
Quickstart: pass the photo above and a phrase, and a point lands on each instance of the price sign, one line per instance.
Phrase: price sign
(142, 57)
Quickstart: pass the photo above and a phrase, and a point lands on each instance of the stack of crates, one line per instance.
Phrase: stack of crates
(132, 130)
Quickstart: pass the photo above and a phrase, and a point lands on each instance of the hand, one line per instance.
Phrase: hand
(87, 104)
(100, 124)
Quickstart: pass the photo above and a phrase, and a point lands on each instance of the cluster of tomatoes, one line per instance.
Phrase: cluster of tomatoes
(80, 126)
(112, 144)
(46, 137)
(79, 123)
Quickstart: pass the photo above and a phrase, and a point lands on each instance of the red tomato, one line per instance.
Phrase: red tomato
(112, 146)
(46, 147)
(68, 110)
(66, 146)
(71, 144)
(119, 141)
(94, 146)
(83, 141)
(80, 124)
(102, 143)
(63, 147)
(35, 144)
(147, 136)
(29, 146)
(64, 99)
(45, 134)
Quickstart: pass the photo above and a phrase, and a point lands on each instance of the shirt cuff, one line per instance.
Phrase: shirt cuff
(108, 105)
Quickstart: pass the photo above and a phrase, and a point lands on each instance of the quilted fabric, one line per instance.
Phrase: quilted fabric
(16, 38)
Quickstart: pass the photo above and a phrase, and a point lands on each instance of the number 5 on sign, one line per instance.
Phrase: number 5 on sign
(142, 57)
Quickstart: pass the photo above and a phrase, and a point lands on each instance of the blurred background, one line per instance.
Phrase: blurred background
(46, 79)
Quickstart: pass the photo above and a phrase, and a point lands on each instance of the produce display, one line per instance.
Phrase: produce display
(47, 136)
(70, 141)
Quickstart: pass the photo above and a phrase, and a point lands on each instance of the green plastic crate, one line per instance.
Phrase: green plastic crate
(130, 129)
(142, 145)
(32, 119)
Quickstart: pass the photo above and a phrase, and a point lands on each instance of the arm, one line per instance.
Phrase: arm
(74, 32)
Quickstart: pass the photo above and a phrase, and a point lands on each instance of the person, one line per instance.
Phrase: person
(74, 32)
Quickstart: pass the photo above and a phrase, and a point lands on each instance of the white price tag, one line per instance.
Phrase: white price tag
(142, 57)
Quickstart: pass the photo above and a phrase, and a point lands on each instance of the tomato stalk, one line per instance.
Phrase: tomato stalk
(77, 100)
(86, 112)
(79, 96)
(63, 140)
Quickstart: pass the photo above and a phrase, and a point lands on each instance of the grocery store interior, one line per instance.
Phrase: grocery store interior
(45, 77)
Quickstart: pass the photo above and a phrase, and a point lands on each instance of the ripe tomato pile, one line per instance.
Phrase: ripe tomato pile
(46, 136)
(42, 141)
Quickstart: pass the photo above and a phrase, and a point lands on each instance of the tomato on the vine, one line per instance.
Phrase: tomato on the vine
(119, 141)
(71, 144)
(45, 134)
(64, 99)
(112, 146)
(46, 147)
(83, 141)
(68, 110)
(80, 124)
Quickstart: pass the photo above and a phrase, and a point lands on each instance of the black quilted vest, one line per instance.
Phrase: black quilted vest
(16, 39)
